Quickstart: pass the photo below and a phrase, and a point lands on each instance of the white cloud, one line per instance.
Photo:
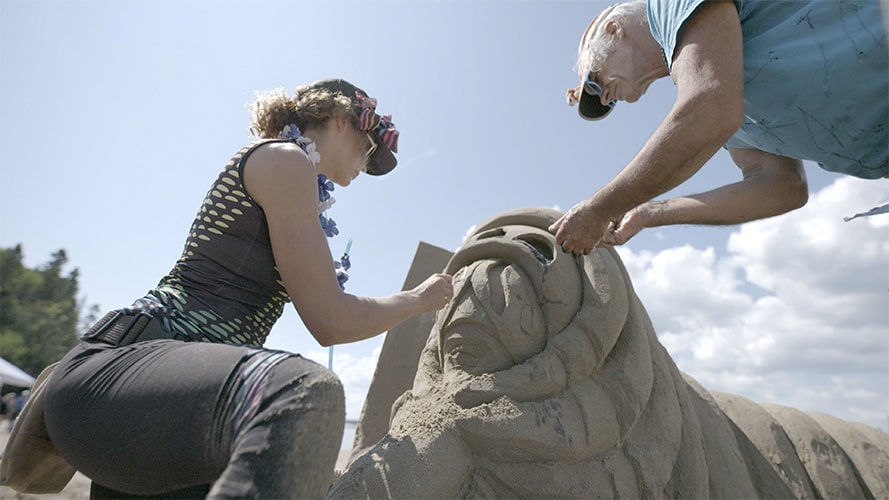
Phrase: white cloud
(795, 312)
(471, 229)
(355, 372)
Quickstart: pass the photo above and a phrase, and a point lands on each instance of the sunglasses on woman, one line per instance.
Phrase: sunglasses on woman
(373, 146)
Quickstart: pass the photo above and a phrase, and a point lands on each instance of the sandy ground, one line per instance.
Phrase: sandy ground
(79, 487)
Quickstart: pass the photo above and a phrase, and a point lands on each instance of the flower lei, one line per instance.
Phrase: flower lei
(325, 201)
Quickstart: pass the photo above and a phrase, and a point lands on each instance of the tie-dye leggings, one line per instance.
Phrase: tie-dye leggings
(163, 415)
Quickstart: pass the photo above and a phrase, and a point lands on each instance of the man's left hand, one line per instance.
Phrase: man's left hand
(581, 229)
(627, 226)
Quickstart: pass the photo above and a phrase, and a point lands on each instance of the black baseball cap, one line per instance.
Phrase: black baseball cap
(590, 106)
(383, 160)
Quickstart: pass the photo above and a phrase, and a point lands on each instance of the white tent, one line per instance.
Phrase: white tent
(13, 375)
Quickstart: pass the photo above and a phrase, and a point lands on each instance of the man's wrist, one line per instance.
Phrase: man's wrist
(655, 213)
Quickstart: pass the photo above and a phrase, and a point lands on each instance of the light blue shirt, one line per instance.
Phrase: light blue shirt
(816, 79)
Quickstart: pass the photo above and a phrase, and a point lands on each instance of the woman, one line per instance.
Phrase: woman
(174, 395)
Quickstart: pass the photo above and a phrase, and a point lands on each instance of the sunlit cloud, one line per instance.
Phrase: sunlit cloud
(355, 372)
(468, 232)
(813, 335)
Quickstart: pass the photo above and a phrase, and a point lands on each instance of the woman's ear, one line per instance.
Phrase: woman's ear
(342, 123)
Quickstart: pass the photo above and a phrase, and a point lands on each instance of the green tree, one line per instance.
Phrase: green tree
(39, 310)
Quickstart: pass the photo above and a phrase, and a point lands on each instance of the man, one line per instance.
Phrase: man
(774, 82)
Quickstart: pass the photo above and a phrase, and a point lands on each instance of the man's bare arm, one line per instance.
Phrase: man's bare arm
(709, 108)
(772, 185)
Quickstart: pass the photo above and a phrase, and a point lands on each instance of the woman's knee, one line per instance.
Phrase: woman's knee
(328, 389)
(313, 384)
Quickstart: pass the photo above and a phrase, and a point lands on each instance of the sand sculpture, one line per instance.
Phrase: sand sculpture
(544, 378)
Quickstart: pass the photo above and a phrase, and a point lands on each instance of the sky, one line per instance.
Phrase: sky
(116, 116)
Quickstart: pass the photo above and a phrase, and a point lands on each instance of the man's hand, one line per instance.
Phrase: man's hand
(623, 229)
(772, 185)
(581, 229)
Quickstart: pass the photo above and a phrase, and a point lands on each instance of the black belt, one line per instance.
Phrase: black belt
(119, 329)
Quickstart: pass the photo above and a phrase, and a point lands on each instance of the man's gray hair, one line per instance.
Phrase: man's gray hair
(596, 47)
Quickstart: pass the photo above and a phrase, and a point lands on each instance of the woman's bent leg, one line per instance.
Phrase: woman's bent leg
(287, 447)
(159, 416)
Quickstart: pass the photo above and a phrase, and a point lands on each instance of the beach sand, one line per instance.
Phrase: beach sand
(79, 487)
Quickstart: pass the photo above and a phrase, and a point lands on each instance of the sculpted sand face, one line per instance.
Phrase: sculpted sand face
(544, 378)
(494, 322)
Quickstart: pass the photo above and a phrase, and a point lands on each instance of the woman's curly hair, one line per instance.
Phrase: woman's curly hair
(310, 108)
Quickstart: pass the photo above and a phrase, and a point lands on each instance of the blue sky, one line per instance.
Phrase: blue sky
(117, 116)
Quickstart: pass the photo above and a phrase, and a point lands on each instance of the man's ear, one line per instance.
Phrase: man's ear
(613, 28)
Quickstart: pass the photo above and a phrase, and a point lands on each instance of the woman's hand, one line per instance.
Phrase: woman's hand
(282, 180)
(435, 292)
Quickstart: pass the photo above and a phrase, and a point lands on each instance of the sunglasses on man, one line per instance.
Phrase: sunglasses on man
(594, 89)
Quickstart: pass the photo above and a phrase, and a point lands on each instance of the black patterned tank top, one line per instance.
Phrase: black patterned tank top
(225, 287)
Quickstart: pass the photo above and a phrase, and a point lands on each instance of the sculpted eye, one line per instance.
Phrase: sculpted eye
(493, 233)
(540, 246)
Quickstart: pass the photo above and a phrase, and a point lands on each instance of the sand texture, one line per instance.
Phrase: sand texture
(544, 378)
